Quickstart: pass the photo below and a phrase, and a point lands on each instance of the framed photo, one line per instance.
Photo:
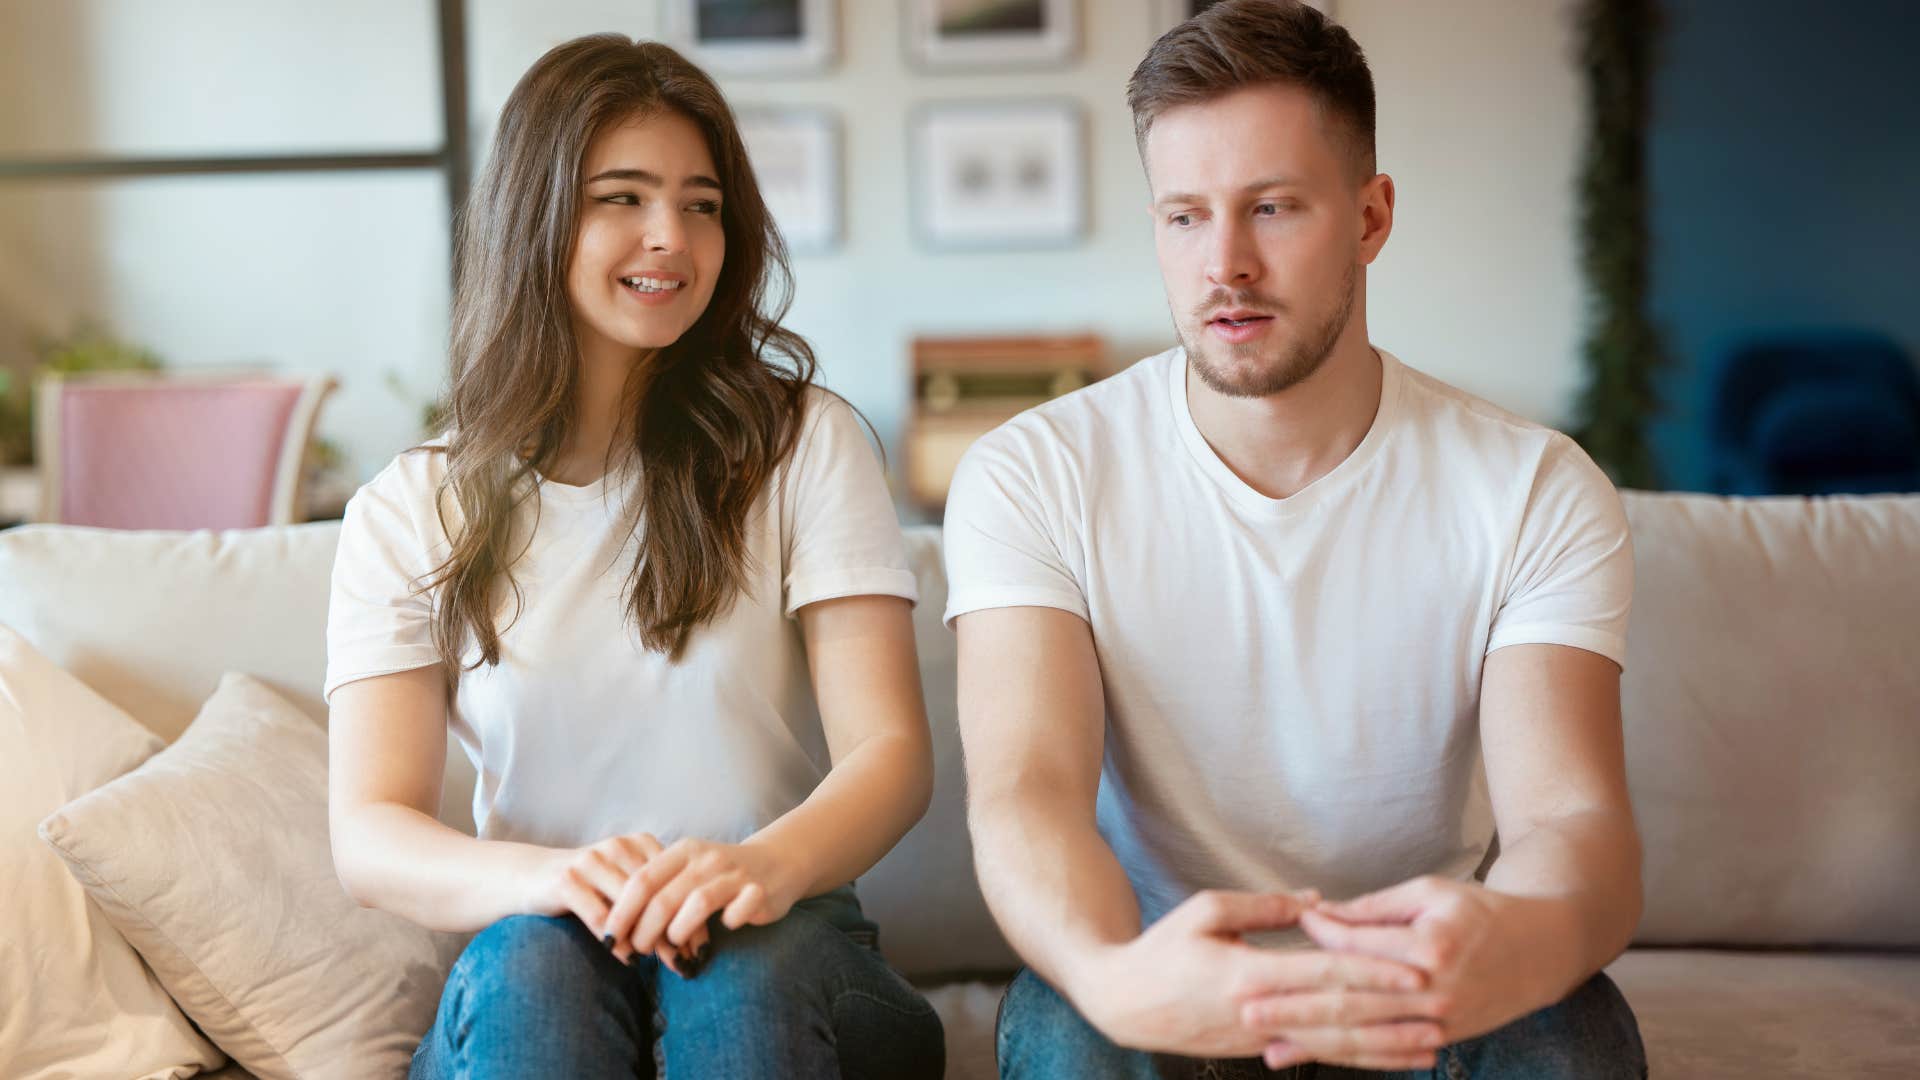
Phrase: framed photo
(796, 158)
(999, 175)
(1172, 13)
(755, 37)
(944, 34)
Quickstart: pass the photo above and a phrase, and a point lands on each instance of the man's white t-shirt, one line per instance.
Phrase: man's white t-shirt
(1292, 685)
(580, 733)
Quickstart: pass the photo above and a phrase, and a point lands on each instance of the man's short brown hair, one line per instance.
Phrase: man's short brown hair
(1239, 43)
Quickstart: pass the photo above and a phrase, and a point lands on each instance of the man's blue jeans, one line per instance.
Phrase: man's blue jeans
(1589, 1036)
(806, 997)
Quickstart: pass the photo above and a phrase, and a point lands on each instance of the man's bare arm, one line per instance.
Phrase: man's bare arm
(1556, 768)
(1033, 723)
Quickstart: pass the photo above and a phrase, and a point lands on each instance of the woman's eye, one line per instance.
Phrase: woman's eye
(622, 199)
(705, 206)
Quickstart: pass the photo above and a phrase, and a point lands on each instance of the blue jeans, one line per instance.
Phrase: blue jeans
(1589, 1036)
(808, 996)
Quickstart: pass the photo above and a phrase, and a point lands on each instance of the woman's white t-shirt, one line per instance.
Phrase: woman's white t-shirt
(580, 733)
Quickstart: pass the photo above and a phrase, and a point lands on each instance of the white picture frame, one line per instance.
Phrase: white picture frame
(793, 37)
(988, 34)
(999, 175)
(796, 155)
(1171, 13)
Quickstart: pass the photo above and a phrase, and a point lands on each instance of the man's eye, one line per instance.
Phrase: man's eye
(1181, 220)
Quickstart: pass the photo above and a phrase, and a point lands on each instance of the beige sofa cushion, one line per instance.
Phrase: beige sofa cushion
(153, 619)
(74, 998)
(1772, 705)
(212, 859)
(1708, 1015)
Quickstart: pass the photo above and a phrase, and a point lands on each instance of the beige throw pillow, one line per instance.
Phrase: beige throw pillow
(213, 859)
(75, 1000)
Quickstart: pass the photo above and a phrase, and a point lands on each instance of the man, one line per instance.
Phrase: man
(1274, 613)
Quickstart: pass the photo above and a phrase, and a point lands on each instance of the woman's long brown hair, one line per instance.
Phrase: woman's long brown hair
(714, 414)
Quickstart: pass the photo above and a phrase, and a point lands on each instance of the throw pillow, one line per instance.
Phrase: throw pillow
(75, 1000)
(213, 860)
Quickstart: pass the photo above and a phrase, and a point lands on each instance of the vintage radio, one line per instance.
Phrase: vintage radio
(964, 387)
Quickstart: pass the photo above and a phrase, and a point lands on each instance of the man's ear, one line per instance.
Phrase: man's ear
(1376, 216)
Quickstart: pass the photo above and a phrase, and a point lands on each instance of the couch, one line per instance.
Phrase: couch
(1772, 708)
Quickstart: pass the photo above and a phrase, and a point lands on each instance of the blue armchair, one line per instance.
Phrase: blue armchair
(1816, 416)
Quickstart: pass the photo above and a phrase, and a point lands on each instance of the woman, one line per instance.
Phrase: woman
(597, 570)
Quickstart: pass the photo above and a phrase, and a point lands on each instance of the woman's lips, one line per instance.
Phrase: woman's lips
(653, 297)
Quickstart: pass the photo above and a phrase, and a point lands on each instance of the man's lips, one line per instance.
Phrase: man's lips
(1235, 316)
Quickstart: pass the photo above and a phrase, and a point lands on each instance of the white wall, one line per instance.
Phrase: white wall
(1479, 122)
(1481, 116)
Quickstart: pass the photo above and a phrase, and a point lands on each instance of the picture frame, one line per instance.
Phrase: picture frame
(988, 34)
(998, 175)
(1171, 13)
(796, 154)
(755, 37)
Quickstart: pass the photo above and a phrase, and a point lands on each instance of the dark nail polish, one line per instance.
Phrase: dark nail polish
(633, 959)
(607, 941)
(691, 966)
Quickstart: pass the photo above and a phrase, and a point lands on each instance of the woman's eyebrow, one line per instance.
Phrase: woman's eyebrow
(642, 176)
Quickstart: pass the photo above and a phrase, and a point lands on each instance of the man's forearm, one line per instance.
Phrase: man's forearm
(1053, 884)
(1587, 865)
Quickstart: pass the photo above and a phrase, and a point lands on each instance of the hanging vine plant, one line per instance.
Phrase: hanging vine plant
(1622, 348)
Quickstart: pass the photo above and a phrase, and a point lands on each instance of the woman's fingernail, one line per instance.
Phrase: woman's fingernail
(607, 941)
(695, 963)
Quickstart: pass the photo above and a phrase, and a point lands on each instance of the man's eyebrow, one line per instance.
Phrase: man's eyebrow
(1261, 184)
(650, 179)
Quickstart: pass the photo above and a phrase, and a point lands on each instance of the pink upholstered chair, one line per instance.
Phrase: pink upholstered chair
(185, 451)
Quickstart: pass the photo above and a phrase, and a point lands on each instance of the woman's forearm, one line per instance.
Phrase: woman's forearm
(402, 861)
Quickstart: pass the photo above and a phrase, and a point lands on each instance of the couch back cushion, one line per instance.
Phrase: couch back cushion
(152, 620)
(1772, 707)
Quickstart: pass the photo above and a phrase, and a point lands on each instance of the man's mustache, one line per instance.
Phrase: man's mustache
(1224, 299)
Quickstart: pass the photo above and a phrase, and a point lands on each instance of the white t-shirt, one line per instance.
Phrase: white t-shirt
(580, 733)
(1292, 685)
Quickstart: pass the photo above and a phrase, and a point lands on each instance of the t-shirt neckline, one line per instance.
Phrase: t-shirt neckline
(553, 491)
(1338, 477)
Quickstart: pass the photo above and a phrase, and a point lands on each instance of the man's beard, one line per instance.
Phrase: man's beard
(1296, 361)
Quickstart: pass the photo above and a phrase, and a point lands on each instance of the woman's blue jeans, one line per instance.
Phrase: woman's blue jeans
(806, 997)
